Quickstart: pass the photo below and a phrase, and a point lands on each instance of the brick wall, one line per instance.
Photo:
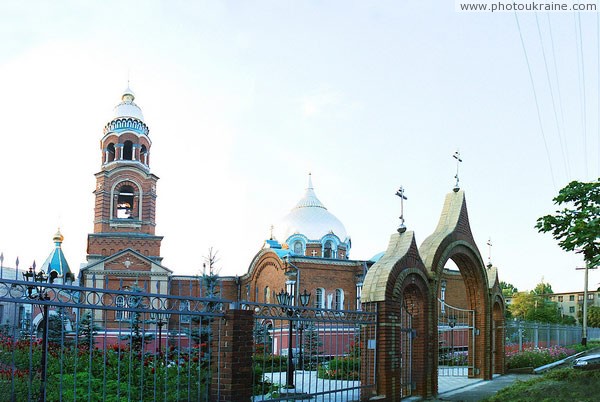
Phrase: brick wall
(234, 382)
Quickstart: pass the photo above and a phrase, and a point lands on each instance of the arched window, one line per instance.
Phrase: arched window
(128, 150)
(328, 249)
(267, 295)
(298, 247)
(125, 206)
(120, 302)
(144, 155)
(110, 150)
(339, 299)
(320, 298)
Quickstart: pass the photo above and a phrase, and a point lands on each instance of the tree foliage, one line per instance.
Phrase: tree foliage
(593, 316)
(542, 288)
(532, 307)
(57, 327)
(577, 225)
(508, 289)
(137, 337)
(87, 331)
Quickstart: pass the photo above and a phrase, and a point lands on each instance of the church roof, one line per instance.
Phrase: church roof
(127, 107)
(56, 261)
(310, 218)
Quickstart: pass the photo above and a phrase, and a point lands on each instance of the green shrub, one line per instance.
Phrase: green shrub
(266, 363)
(340, 368)
(578, 347)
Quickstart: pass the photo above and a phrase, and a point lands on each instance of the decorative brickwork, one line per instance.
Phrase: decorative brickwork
(399, 282)
(234, 382)
(401, 279)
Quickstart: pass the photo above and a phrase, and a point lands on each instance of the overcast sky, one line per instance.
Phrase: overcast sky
(244, 98)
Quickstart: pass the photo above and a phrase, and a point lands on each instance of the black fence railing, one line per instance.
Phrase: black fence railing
(67, 343)
(309, 353)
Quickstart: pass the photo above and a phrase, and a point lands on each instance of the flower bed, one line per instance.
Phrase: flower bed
(532, 357)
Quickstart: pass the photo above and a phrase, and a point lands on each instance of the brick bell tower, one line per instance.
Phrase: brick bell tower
(125, 194)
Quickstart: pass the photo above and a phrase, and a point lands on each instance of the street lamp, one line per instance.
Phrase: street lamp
(41, 294)
(161, 320)
(286, 300)
(304, 300)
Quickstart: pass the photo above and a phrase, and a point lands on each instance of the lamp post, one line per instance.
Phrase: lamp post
(161, 320)
(42, 295)
(304, 300)
(286, 300)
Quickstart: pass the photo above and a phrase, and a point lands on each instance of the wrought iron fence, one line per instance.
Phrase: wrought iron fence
(72, 343)
(302, 352)
(522, 335)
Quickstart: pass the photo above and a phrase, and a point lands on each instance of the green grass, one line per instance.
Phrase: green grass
(563, 384)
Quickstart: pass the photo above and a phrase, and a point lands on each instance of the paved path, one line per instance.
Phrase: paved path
(479, 389)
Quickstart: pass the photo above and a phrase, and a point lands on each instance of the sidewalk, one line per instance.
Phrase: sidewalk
(476, 390)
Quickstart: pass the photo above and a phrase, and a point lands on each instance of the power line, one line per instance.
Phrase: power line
(598, 69)
(562, 113)
(558, 130)
(581, 73)
(537, 106)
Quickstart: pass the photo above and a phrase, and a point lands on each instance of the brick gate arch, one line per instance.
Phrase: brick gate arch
(453, 240)
(408, 279)
(398, 284)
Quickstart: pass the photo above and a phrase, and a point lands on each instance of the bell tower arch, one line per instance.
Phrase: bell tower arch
(125, 194)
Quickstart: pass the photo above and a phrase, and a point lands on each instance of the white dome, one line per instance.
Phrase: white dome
(311, 219)
(128, 108)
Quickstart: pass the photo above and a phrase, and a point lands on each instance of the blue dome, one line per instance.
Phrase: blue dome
(56, 261)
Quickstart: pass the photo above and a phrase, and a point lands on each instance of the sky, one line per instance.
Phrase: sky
(245, 98)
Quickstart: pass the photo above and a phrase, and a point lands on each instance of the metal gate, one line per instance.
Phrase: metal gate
(406, 336)
(456, 341)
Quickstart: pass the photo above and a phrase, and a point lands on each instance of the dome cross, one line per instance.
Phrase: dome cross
(458, 161)
(400, 193)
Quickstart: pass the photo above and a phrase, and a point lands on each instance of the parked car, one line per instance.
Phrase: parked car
(589, 362)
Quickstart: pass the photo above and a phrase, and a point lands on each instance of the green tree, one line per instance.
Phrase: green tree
(86, 331)
(593, 314)
(532, 307)
(508, 289)
(137, 337)
(57, 328)
(312, 346)
(542, 289)
(568, 320)
(577, 225)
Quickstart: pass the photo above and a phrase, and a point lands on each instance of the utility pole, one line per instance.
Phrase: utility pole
(585, 302)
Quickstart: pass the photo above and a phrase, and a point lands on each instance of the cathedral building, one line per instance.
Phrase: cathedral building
(309, 249)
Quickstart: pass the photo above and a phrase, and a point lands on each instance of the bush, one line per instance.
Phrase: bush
(578, 347)
(340, 368)
(266, 363)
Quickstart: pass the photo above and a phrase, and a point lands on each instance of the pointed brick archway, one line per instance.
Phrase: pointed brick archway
(398, 285)
(453, 240)
(407, 278)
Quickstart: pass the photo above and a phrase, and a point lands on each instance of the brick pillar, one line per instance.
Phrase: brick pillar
(388, 354)
(232, 357)
(367, 358)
